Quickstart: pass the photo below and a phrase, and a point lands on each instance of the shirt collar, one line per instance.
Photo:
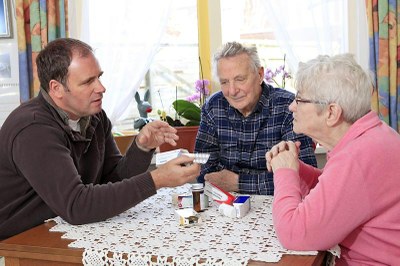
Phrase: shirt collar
(264, 98)
(357, 129)
(83, 121)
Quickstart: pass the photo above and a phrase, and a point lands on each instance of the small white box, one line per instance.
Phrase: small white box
(187, 217)
(242, 205)
(182, 201)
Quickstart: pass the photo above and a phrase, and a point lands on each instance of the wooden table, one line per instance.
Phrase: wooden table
(38, 246)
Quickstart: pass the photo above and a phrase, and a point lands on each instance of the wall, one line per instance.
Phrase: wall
(320, 155)
(9, 80)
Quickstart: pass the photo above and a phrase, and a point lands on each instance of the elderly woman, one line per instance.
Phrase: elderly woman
(355, 200)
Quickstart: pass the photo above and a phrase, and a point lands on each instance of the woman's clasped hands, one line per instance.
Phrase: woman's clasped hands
(285, 154)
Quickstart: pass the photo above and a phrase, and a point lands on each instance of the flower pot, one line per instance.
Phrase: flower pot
(124, 142)
(187, 139)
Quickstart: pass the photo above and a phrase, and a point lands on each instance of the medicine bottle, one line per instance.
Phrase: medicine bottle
(198, 197)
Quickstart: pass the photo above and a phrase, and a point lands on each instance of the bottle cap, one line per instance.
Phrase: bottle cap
(197, 186)
(227, 210)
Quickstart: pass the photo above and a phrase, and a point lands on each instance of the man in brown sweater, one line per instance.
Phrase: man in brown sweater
(58, 156)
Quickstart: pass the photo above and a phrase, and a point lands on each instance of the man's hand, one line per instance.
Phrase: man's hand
(176, 172)
(225, 179)
(285, 154)
(154, 134)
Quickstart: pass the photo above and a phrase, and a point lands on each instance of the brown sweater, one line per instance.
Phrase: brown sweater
(48, 170)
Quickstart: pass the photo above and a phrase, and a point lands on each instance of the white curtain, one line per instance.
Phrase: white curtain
(126, 35)
(307, 28)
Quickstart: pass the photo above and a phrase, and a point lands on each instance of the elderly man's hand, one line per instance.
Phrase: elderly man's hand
(225, 179)
(154, 134)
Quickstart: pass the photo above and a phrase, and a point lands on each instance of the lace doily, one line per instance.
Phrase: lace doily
(149, 234)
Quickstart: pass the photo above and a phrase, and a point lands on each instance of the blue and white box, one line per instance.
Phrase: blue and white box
(242, 205)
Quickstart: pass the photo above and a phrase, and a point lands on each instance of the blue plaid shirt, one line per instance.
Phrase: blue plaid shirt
(239, 143)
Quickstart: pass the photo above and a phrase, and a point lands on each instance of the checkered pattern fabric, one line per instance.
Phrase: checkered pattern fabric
(239, 143)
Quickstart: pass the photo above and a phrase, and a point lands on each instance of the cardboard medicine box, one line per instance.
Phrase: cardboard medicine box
(242, 205)
(187, 217)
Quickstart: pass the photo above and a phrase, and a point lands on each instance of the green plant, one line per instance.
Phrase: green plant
(189, 108)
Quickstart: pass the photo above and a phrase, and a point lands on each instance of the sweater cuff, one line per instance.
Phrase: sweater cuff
(138, 151)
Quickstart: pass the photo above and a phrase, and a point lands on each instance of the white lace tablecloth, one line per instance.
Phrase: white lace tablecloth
(150, 229)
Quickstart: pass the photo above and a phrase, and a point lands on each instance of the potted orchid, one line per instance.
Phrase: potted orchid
(187, 117)
(190, 108)
(278, 76)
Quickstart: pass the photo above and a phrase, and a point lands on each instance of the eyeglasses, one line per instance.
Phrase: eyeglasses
(300, 100)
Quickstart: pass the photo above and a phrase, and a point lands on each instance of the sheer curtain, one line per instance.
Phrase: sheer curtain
(307, 28)
(126, 35)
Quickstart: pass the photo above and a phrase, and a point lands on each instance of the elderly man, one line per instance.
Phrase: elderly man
(354, 201)
(240, 123)
(58, 156)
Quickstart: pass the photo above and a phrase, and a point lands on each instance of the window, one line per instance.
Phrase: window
(250, 22)
(301, 30)
(9, 84)
(175, 65)
(136, 38)
(247, 22)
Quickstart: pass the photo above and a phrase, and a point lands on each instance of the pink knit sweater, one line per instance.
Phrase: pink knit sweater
(353, 202)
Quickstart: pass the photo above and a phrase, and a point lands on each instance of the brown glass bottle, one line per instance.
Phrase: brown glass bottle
(198, 197)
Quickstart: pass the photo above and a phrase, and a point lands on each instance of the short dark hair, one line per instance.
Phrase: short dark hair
(53, 61)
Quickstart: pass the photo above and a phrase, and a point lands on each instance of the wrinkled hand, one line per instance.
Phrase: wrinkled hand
(225, 179)
(285, 154)
(176, 172)
(154, 134)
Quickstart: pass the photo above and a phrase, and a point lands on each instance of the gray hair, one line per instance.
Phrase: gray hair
(232, 49)
(337, 79)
